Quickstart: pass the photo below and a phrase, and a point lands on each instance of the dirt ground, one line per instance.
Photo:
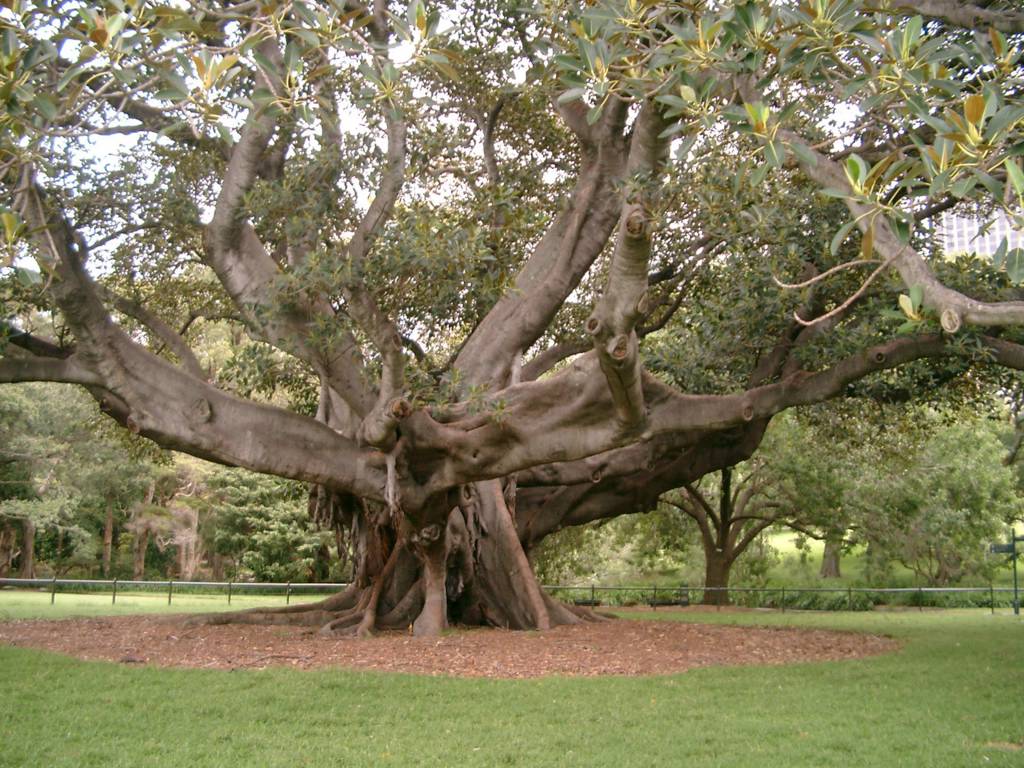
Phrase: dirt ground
(615, 647)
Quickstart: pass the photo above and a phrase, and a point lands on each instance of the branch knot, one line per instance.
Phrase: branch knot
(950, 320)
(637, 223)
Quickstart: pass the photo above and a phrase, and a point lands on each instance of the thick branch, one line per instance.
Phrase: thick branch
(575, 238)
(170, 406)
(615, 317)
(66, 371)
(968, 15)
(250, 274)
(164, 332)
(953, 307)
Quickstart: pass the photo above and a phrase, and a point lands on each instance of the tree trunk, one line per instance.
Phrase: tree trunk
(217, 566)
(108, 541)
(830, 558)
(321, 566)
(6, 549)
(716, 575)
(462, 563)
(28, 550)
(139, 560)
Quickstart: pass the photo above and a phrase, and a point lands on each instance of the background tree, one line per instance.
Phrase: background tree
(943, 502)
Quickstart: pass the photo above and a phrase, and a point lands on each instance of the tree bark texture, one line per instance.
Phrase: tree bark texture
(716, 576)
(7, 541)
(108, 540)
(27, 559)
(139, 553)
(830, 558)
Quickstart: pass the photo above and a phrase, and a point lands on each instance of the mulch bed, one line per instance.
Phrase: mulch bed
(616, 647)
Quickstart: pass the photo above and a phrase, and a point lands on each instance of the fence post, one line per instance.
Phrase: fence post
(170, 589)
(113, 598)
(288, 593)
(654, 598)
(849, 598)
(593, 593)
(783, 598)
(229, 592)
(53, 589)
(991, 597)
(920, 599)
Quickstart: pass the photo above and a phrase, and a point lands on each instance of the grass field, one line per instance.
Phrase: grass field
(952, 697)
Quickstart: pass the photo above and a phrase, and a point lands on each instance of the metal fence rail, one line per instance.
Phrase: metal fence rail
(777, 597)
(592, 594)
(229, 587)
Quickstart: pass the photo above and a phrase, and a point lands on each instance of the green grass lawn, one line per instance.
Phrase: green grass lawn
(951, 697)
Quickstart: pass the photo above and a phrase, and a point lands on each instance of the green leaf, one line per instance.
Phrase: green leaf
(46, 105)
(308, 36)
(28, 277)
(757, 177)
(1003, 120)
(902, 229)
(11, 225)
(911, 33)
(916, 297)
(571, 95)
(71, 74)
(856, 171)
(1015, 265)
(1015, 175)
(175, 87)
(841, 235)
(1000, 254)
(775, 152)
(907, 305)
(806, 156)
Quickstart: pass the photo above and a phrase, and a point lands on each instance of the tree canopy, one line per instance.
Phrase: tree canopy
(500, 268)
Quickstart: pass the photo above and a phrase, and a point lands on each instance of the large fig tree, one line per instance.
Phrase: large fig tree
(516, 257)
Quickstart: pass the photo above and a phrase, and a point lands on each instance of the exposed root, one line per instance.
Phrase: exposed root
(356, 621)
(302, 614)
(347, 623)
(589, 614)
(559, 612)
(369, 620)
(405, 611)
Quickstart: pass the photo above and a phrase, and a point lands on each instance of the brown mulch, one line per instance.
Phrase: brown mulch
(616, 647)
